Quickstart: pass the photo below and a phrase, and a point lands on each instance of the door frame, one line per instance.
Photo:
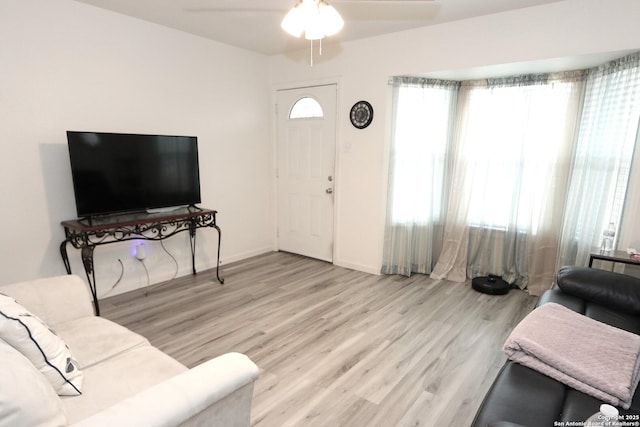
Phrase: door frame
(273, 123)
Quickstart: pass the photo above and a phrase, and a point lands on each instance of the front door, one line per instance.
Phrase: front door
(306, 139)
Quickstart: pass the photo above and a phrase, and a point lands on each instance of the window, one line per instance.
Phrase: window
(421, 137)
(615, 122)
(306, 108)
(522, 172)
(509, 138)
(604, 150)
(514, 136)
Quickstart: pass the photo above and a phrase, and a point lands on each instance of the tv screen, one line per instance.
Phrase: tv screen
(115, 172)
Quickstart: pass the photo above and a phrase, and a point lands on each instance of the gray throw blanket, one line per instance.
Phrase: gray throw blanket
(589, 356)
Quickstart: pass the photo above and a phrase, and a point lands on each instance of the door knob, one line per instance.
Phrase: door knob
(329, 190)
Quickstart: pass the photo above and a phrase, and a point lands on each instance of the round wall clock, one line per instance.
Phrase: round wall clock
(361, 114)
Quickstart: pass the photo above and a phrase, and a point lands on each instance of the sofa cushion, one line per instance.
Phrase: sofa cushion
(517, 395)
(605, 314)
(34, 339)
(119, 378)
(26, 397)
(53, 299)
(613, 317)
(618, 291)
(95, 339)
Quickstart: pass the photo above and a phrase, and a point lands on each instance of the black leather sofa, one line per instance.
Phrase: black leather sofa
(521, 396)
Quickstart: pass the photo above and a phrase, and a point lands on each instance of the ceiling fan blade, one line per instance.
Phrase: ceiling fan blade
(354, 10)
(382, 1)
(387, 11)
(235, 9)
(226, 6)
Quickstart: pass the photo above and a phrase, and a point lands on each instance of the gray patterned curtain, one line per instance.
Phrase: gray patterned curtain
(417, 187)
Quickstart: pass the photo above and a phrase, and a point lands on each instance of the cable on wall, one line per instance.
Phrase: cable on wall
(146, 290)
(117, 281)
(175, 261)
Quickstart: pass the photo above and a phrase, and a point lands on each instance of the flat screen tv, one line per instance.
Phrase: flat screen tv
(117, 172)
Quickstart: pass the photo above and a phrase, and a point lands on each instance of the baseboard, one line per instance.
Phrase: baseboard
(358, 267)
(243, 256)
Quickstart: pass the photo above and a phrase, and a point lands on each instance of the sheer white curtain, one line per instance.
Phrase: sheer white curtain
(423, 113)
(511, 163)
(602, 161)
(514, 176)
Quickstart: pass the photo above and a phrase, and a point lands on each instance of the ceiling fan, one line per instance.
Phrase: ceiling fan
(317, 19)
(352, 8)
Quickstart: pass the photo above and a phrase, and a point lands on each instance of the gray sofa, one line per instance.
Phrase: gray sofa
(125, 381)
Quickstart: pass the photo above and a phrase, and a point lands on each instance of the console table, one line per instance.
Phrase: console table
(86, 234)
(612, 256)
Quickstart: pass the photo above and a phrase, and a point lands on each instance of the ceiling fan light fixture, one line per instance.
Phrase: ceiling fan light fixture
(315, 18)
(293, 23)
(314, 32)
(331, 20)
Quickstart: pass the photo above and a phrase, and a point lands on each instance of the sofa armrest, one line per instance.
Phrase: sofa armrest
(53, 299)
(557, 295)
(215, 393)
(614, 290)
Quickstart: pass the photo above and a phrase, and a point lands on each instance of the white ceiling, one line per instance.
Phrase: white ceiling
(255, 24)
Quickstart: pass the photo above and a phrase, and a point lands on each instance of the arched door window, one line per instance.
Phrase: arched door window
(306, 108)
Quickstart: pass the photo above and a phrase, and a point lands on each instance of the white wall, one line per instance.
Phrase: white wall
(558, 30)
(69, 66)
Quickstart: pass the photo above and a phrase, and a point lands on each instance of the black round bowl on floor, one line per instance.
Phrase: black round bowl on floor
(493, 285)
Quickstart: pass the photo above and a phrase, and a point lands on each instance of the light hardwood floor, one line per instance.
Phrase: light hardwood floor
(335, 347)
